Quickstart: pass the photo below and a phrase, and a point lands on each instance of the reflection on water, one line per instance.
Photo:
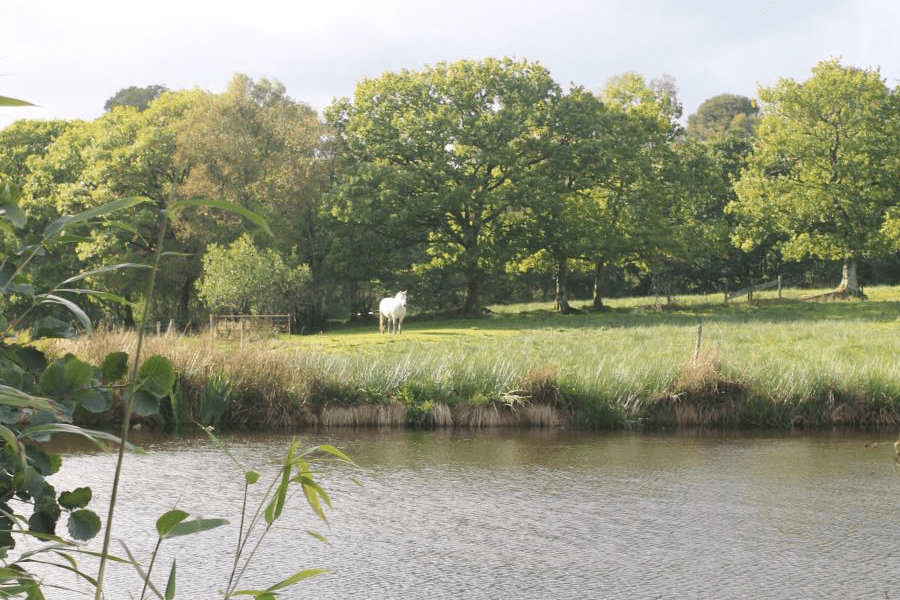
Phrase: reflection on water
(533, 514)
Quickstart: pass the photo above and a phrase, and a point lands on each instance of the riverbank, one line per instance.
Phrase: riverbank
(776, 362)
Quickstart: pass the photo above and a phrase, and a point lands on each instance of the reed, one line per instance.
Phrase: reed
(774, 362)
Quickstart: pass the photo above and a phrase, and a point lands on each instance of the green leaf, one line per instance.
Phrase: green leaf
(318, 536)
(296, 578)
(56, 227)
(143, 403)
(169, 520)
(251, 477)
(77, 498)
(15, 397)
(46, 464)
(83, 524)
(157, 376)
(114, 366)
(9, 204)
(105, 269)
(51, 327)
(170, 585)
(177, 206)
(73, 308)
(195, 526)
(269, 593)
(7, 101)
(94, 400)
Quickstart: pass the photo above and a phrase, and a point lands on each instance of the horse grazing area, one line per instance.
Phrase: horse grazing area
(774, 362)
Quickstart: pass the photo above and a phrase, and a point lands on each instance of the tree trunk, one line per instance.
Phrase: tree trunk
(562, 297)
(598, 285)
(470, 308)
(849, 282)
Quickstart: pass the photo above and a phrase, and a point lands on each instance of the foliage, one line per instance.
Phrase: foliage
(442, 159)
(39, 398)
(243, 279)
(723, 117)
(136, 97)
(824, 169)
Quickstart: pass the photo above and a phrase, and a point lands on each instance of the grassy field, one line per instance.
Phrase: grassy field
(775, 362)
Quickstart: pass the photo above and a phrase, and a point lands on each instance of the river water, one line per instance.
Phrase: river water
(527, 515)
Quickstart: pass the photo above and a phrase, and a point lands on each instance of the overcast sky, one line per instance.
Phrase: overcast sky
(70, 56)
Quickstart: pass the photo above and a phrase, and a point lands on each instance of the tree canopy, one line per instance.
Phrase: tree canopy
(823, 172)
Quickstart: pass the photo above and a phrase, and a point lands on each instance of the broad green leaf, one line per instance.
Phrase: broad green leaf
(94, 400)
(251, 477)
(114, 366)
(32, 358)
(83, 524)
(169, 520)
(56, 227)
(177, 206)
(195, 526)
(77, 498)
(157, 376)
(143, 403)
(51, 327)
(46, 464)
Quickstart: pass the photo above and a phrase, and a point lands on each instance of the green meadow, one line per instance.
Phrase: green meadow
(773, 362)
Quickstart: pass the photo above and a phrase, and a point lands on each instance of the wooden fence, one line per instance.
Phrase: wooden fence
(249, 327)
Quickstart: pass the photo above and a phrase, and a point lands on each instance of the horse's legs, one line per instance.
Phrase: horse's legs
(381, 322)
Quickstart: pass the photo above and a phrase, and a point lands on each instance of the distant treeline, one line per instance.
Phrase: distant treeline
(464, 183)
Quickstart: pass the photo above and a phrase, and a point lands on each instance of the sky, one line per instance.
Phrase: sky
(68, 57)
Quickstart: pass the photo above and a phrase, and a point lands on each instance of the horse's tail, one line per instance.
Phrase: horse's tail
(381, 321)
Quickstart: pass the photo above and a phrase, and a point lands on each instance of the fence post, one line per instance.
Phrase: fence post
(699, 337)
(212, 325)
(779, 287)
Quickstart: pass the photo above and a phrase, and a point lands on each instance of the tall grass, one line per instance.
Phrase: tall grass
(777, 361)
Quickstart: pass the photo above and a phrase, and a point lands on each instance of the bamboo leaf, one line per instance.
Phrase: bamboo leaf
(7, 101)
(195, 526)
(73, 308)
(177, 206)
(55, 228)
(296, 578)
(170, 585)
(137, 567)
(16, 397)
(106, 269)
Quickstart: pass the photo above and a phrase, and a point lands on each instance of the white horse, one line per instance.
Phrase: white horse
(392, 310)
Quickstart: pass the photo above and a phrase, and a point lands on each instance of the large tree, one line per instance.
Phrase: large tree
(633, 197)
(443, 159)
(256, 147)
(124, 153)
(723, 117)
(136, 97)
(824, 169)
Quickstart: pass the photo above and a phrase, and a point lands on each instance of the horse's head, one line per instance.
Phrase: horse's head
(401, 297)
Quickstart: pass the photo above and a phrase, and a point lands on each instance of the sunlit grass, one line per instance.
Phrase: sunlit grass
(786, 352)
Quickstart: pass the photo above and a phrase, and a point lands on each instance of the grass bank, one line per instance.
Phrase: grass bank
(775, 362)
